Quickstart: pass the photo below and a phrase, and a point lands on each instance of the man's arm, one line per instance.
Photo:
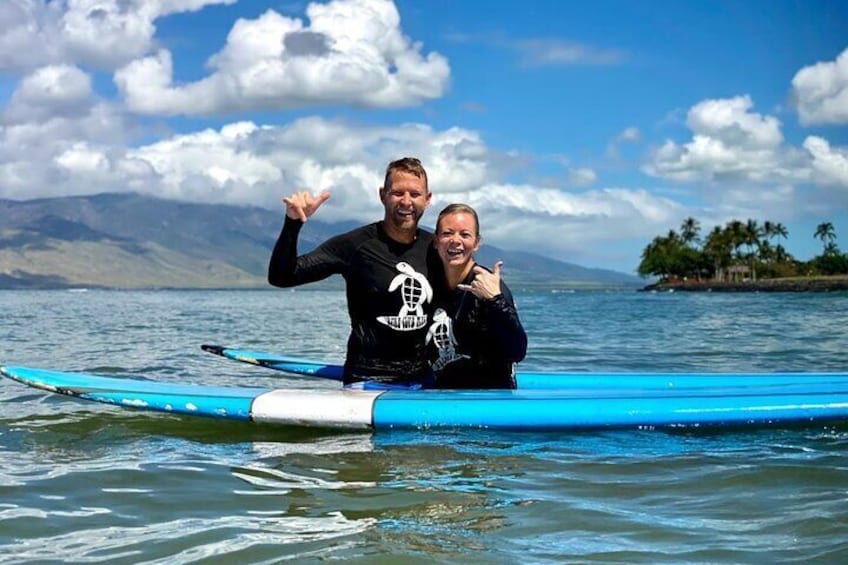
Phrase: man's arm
(283, 264)
(286, 269)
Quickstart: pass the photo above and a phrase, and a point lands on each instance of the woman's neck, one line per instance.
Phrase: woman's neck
(457, 275)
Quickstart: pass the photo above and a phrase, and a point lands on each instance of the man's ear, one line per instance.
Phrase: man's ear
(380, 192)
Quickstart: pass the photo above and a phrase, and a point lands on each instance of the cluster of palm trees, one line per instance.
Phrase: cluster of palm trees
(738, 250)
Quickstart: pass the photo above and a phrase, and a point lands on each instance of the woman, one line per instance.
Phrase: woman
(476, 331)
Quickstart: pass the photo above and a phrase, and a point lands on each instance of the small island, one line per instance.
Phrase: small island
(787, 284)
(741, 257)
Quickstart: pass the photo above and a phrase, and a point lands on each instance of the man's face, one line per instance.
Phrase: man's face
(405, 200)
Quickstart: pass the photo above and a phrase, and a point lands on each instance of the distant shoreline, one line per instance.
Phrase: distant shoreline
(790, 284)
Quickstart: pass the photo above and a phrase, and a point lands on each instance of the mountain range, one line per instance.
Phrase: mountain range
(130, 240)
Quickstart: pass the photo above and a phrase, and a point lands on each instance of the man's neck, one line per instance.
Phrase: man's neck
(400, 235)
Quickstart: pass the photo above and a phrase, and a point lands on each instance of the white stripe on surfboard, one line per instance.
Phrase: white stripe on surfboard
(330, 408)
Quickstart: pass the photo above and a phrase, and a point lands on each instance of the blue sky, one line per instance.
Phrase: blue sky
(578, 130)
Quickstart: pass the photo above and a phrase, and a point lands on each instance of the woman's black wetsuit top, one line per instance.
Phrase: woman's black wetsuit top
(487, 339)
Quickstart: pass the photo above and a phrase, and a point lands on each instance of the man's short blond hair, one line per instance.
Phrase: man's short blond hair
(409, 165)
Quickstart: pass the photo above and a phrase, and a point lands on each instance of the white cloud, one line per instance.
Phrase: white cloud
(821, 92)
(582, 176)
(738, 163)
(99, 33)
(554, 52)
(81, 158)
(210, 165)
(48, 92)
(731, 122)
(352, 52)
(30, 35)
(629, 135)
(730, 143)
(44, 155)
(260, 165)
(830, 165)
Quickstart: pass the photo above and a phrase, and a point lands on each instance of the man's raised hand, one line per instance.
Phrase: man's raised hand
(301, 205)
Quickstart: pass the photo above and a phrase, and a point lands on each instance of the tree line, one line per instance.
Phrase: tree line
(737, 251)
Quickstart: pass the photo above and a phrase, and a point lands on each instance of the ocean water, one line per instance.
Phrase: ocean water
(91, 483)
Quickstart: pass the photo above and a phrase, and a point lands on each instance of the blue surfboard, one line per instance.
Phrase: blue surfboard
(544, 380)
(559, 409)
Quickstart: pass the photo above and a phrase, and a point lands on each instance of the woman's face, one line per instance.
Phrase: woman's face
(456, 239)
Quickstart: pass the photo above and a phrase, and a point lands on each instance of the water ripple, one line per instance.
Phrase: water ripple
(192, 539)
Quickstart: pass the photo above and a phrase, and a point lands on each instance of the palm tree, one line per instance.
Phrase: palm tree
(717, 248)
(831, 249)
(780, 254)
(736, 234)
(826, 233)
(672, 237)
(766, 251)
(751, 233)
(768, 229)
(689, 230)
(780, 230)
(656, 257)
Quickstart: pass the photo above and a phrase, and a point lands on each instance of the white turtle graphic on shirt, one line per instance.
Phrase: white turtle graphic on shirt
(441, 334)
(415, 291)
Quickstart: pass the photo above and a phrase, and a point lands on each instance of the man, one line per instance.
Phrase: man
(385, 266)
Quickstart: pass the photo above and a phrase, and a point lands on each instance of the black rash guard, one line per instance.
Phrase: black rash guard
(477, 342)
(388, 296)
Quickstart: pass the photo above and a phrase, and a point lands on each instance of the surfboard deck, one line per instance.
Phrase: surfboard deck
(551, 380)
(560, 409)
(218, 402)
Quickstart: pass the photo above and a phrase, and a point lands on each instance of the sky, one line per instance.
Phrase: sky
(578, 130)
